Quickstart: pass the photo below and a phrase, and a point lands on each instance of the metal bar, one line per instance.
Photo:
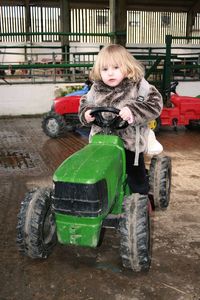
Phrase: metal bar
(153, 67)
(43, 66)
(42, 24)
(167, 65)
(5, 21)
(179, 67)
(187, 38)
(29, 46)
(1, 22)
(18, 17)
(59, 33)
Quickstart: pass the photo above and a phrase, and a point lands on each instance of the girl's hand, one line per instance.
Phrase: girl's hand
(126, 114)
(88, 117)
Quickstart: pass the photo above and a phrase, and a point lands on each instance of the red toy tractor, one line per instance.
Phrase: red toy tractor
(180, 110)
(63, 115)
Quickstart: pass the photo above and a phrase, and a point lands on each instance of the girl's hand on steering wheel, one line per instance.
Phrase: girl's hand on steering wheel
(88, 116)
(126, 114)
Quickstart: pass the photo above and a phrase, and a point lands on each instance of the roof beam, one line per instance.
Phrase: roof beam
(141, 5)
(195, 6)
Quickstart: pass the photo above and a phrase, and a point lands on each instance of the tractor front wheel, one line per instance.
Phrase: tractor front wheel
(36, 229)
(53, 124)
(134, 226)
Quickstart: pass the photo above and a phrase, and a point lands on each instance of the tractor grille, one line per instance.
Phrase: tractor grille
(80, 199)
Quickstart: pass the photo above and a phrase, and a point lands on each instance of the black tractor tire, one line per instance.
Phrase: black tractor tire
(134, 227)
(160, 181)
(36, 229)
(53, 124)
(193, 124)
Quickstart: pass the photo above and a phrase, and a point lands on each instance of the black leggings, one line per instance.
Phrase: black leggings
(137, 175)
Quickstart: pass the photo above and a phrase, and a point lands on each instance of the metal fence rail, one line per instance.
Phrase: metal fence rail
(43, 64)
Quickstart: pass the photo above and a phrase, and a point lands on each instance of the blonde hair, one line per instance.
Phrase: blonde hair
(117, 55)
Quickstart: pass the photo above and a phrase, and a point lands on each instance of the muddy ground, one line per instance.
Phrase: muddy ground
(28, 158)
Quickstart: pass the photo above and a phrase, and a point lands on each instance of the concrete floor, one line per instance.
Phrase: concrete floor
(28, 158)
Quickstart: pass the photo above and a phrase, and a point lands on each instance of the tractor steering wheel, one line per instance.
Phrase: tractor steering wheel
(172, 88)
(115, 123)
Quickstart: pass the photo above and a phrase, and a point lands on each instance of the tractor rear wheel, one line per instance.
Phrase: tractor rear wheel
(134, 227)
(53, 124)
(193, 124)
(160, 181)
(36, 229)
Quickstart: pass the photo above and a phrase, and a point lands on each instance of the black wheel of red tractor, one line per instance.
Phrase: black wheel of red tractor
(36, 229)
(193, 124)
(53, 124)
(160, 181)
(134, 226)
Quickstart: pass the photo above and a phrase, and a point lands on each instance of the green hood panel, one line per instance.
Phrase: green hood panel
(102, 158)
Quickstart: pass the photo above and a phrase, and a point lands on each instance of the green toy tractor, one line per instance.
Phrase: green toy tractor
(90, 191)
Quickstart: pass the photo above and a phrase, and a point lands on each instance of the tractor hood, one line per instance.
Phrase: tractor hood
(101, 159)
(97, 171)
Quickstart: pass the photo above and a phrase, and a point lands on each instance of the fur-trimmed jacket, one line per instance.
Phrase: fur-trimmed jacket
(144, 109)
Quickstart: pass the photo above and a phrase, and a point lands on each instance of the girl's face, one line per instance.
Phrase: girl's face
(111, 75)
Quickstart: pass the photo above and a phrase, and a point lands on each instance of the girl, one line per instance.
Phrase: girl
(118, 82)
